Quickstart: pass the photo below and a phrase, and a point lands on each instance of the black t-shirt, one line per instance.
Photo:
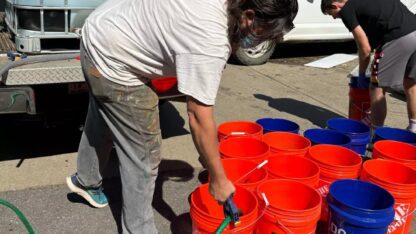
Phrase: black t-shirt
(381, 20)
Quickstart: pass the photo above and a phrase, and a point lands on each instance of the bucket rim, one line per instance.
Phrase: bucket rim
(237, 187)
(223, 124)
(397, 194)
(382, 143)
(316, 174)
(314, 131)
(367, 170)
(319, 161)
(361, 124)
(235, 139)
(294, 124)
(241, 138)
(384, 221)
(304, 140)
(254, 164)
(313, 191)
(382, 130)
(335, 183)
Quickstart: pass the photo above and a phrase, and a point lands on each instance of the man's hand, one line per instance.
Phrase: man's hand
(364, 52)
(221, 189)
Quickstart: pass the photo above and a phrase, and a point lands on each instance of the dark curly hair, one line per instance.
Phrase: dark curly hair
(326, 5)
(274, 16)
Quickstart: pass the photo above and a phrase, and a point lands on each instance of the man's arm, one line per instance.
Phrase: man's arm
(204, 134)
(364, 48)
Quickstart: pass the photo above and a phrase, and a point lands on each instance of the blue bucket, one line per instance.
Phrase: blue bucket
(356, 130)
(327, 136)
(395, 134)
(359, 207)
(354, 82)
(278, 125)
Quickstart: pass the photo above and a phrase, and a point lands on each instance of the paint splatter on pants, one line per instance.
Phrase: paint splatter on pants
(128, 118)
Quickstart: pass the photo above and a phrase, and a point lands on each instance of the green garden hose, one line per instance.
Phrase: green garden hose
(20, 215)
(223, 225)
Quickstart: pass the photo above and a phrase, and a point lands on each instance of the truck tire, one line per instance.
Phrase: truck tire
(256, 55)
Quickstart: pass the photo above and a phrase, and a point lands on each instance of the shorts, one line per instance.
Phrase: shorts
(394, 61)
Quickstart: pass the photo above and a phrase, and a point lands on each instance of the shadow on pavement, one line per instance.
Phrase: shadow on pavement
(171, 122)
(398, 96)
(203, 177)
(315, 114)
(169, 170)
(182, 224)
(32, 139)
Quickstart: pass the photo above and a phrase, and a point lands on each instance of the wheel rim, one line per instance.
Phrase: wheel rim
(259, 50)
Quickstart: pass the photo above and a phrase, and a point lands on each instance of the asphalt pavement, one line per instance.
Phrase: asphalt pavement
(34, 162)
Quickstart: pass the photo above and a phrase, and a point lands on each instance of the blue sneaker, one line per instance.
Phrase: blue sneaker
(94, 196)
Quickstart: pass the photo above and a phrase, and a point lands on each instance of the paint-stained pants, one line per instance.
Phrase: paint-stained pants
(128, 117)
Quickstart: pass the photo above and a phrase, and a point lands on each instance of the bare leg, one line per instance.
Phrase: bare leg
(410, 91)
(378, 106)
(409, 86)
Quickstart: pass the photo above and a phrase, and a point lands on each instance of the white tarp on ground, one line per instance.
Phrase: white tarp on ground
(332, 60)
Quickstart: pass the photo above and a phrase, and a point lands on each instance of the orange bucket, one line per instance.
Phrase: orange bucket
(397, 151)
(400, 181)
(287, 143)
(293, 167)
(359, 103)
(207, 215)
(235, 168)
(335, 162)
(239, 128)
(248, 148)
(293, 207)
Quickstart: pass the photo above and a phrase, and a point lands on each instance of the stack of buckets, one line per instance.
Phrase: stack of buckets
(310, 186)
(400, 181)
(335, 163)
(359, 101)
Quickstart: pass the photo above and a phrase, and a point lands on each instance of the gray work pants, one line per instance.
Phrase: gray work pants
(128, 117)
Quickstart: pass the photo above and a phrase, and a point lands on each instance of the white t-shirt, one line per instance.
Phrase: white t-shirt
(131, 39)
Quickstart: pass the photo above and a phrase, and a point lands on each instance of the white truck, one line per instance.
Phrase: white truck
(310, 26)
(45, 81)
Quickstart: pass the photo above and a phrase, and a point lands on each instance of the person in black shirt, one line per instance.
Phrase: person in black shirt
(389, 28)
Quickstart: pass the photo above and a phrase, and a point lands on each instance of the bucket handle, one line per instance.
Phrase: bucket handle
(252, 170)
(233, 134)
(287, 230)
(277, 220)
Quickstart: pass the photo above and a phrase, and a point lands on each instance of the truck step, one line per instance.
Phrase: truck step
(53, 72)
